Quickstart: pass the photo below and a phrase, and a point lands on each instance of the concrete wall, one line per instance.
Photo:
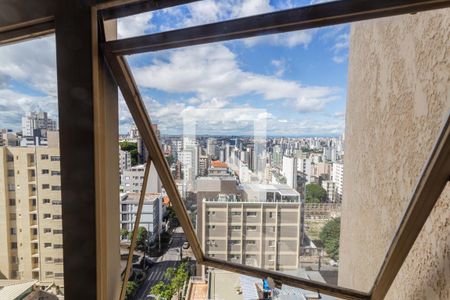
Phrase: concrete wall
(398, 98)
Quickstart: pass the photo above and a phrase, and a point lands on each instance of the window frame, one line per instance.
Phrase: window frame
(93, 19)
(330, 13)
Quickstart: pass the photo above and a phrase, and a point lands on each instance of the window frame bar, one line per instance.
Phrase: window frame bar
(306, 17)
(125, 81)
(432, 181)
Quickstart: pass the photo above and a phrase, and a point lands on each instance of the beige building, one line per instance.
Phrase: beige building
(30, 214)
(398, 99)
(260, 225)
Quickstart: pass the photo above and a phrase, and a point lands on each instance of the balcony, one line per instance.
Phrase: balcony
(34, 252)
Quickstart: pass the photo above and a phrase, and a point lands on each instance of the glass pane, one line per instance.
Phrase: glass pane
(203, 12)
(30, 193)
(254, 135)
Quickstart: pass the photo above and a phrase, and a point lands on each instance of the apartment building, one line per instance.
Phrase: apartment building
(290, 171)
(124, 160)
(31, 240)
(260, 225)
(133, 178)
(152, 212)
(37, 124)
(338, 177)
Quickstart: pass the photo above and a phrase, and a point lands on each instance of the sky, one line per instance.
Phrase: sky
(293, 83)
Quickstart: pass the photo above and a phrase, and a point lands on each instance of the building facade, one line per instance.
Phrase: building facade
(290, 171)
(37, 124)
(124, 160)
(30, 214)
(152, 212)
(338, 178)
(132, 180)
(260, 225)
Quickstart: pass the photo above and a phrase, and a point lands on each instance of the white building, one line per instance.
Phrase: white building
(152, 212)
(189, 160)
(290, 171)
(37, 123)
(124, 160)
(338, 177)
(305, 168)
(133, 178)
(330, 187)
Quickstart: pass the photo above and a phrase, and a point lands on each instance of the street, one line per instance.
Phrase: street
(171, 258)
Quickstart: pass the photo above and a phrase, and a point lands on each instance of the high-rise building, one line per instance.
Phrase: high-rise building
(30, 214)
(338, 177)
(253, 224)
(277, 156)
(290, 171)
(124, 160)
(330, 187)
(37, 124)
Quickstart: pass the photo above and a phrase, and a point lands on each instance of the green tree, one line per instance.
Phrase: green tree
(131, 287)
(132, 148)
(142, 237)
(330, 237)
(123, 233)
(315, 193)
(175, 278)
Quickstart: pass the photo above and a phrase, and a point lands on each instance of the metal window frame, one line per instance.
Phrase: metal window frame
(435, 173)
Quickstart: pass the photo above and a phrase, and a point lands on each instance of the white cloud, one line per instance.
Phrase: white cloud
(280, 66)
(340, 48)
(288, 39)
(14, 105)
(134, 25)
(32, 63)
(212, 71)
(209, 11)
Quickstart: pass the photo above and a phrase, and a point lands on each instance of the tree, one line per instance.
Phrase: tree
(330, 237)
(175, 282)
(132, 148)
(171, 217)
(131, 287)
(315, 193)
(142, 237)
(123, 233)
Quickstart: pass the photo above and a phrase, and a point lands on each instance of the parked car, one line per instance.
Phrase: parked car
(186, 245)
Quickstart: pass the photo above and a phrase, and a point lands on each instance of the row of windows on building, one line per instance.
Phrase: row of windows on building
(12, 187)
(12, 202)
(248, 214)
(13, 231)
(46, 245)
(13, 217)
(15, 260)
(15, 274)
(10, 158)
(238, 243)
(247, 228)
(270, 257)
(43, 172)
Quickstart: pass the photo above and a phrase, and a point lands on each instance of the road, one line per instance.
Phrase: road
(171, 258)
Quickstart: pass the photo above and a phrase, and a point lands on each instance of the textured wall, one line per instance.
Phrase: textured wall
(398, 98)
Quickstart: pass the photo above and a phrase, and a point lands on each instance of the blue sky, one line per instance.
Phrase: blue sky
(295, 83)
(299, 79)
